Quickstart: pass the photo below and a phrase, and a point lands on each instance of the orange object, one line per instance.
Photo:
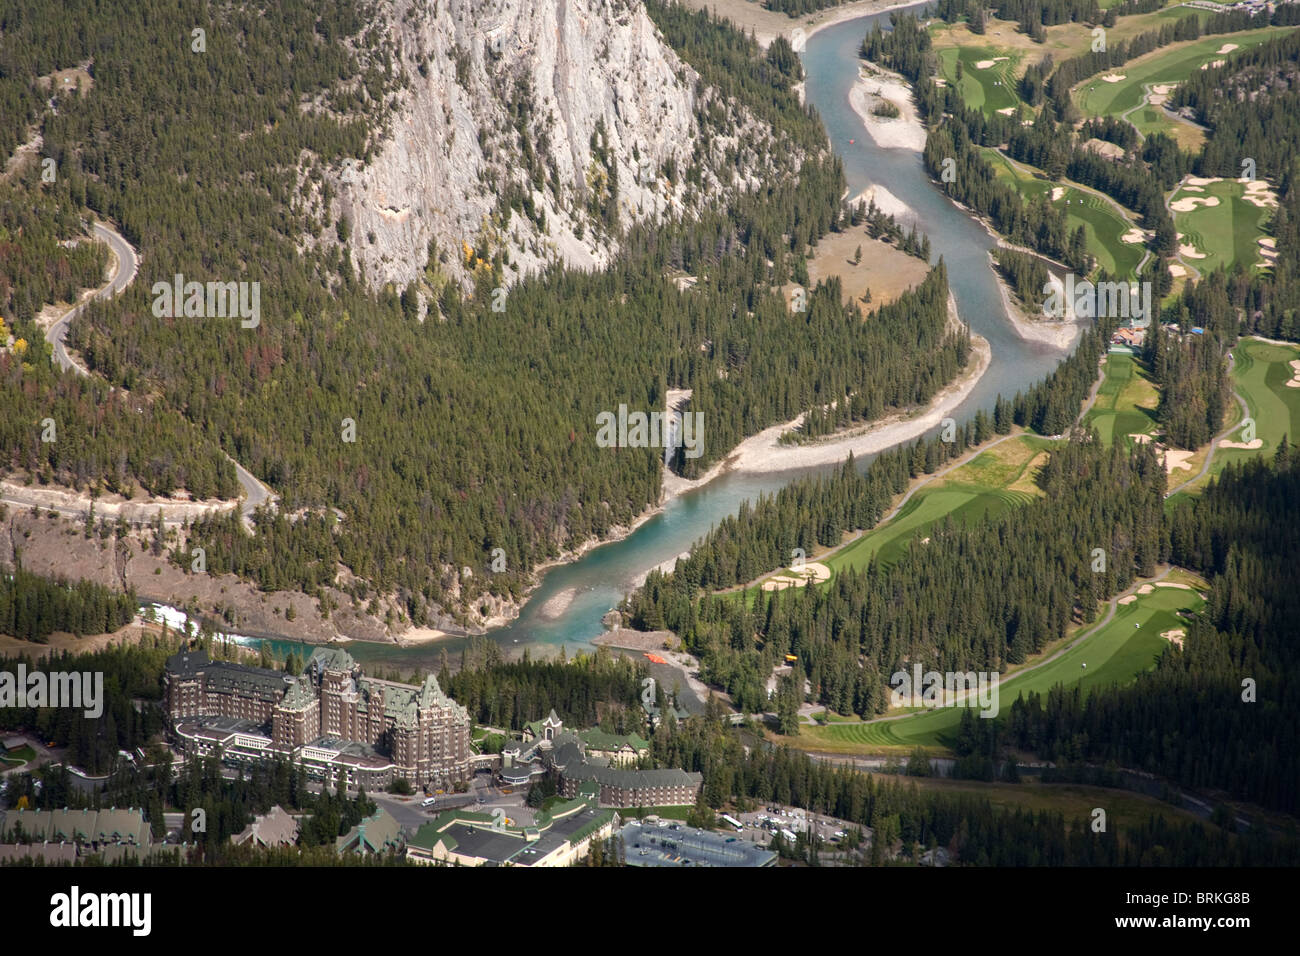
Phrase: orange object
(655, 658)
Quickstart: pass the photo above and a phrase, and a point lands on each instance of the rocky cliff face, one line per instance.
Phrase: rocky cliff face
(527, 132)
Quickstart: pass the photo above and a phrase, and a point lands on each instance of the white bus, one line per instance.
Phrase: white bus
(736, 824)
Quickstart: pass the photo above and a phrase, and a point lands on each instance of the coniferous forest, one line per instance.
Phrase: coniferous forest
(33, 607)
(467, 440)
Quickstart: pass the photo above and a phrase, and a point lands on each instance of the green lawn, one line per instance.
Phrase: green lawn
(989, 89)
(1115, 654)
(1102, 224)
(1171, 65)
(1126, 401)
(989, 484)
(1030, 187)
(1224, 234)
(16, 758)
(1260, 372)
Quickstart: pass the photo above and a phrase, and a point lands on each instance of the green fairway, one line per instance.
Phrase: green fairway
(987, 485)
(1114, 653)
(991, 87)
(1260, 374)
(1126, 401)
(1029, 186)
(1223, 234)
(1103, 226)
(1167, 66)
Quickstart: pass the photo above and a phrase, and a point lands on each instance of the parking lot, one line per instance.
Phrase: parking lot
(760, 825)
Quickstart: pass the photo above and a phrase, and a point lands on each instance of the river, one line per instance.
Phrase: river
(567, 607)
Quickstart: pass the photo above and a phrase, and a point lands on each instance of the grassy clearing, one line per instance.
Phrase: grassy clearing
(669, 813)
(1260, 372)
(1063, 41)
(990, 87)
(1168, 65)
(1224, 234)
(1126, 401)
(1115, 653)
(1073, 801)
(978, 489)
(1102, 224)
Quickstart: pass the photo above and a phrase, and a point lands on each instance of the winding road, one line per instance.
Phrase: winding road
(1214, 443)
(255, 493)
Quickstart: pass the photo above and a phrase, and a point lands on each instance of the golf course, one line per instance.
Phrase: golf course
(1114, 650)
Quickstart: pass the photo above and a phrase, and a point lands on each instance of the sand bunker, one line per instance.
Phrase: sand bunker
(1193, 189)
(1174, 458)
(1128, 600)
(1114, 77)
(1201, 181)
(1174, 584)
(1007, 110)
(1057, 192)
(983, 64)
(1295, 374)
(1226, 48)
(1174, 636)
(1258, 194)
(1145, 589)
(1248, 445)
(1159, 93)
(1177, 271)
(798, 577)
(1190, 252)
(1132, 236)
(1191, 202)
(1216, 63)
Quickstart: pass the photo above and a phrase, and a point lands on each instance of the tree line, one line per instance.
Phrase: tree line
(474, 431)
(32, 607)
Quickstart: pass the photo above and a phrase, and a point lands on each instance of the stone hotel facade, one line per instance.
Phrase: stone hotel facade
(424, 732)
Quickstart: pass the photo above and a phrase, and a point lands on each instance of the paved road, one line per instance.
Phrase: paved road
(123, 274)
(1214, 443)
(256, 493)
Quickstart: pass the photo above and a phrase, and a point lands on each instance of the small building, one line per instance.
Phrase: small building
(376, 834)
(114, 833)
(271, 829)
(42, 854)
(616, 749)
(558, 838)
(620, 787)
(1132, 337)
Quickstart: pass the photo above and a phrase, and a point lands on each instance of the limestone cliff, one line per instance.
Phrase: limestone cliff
(526, 132)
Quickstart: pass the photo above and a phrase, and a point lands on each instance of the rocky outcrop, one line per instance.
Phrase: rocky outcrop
(528, 132)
